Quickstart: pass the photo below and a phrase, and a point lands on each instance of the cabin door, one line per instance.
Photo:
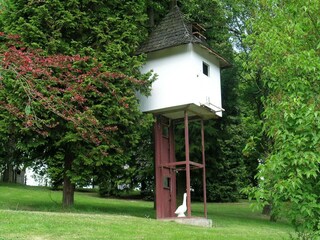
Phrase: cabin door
(165, 174)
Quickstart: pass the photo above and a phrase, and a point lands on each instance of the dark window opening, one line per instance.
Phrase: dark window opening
(205, 68)
(165, 131)
(166, 182)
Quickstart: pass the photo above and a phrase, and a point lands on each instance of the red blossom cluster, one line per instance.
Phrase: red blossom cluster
(60, 88)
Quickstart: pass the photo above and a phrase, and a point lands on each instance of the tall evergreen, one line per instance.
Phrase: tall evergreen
(108, 31)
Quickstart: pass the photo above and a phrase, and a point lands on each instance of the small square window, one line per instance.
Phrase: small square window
(165, 131)
(205, 68)
(166, 182)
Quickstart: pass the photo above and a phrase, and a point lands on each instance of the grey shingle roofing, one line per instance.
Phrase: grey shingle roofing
(172, 31)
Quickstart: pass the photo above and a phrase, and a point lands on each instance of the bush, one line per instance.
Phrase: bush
(221, 193)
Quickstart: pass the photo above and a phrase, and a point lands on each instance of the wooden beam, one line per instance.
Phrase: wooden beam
(204, 171)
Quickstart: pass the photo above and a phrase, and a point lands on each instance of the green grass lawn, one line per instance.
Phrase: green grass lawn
(36, 213)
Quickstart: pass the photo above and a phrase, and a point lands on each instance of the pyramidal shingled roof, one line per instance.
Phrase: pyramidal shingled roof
(172, 31)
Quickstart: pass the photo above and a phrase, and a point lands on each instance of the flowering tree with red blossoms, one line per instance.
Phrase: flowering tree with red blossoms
(67, 108)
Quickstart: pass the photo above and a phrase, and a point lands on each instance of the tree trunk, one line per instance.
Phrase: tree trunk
(8, 174)
(173, 3)
(68, 186)
(267, 210)
(151, 16)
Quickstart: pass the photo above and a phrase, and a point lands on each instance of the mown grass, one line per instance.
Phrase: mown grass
(36, 213)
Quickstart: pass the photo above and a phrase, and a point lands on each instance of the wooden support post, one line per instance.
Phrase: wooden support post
(173, 187)
(186, 136)
(157, 140)
(204, 171)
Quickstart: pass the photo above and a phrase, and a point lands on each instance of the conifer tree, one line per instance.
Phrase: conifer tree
(107, 31)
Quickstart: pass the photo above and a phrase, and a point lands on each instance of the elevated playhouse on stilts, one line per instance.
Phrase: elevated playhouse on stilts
(187, 89)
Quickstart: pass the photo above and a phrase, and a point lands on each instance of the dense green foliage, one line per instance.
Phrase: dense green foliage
(270, 96)
(72, 116)
(227, 169)
(249, 90)
(285, 46)
(110, 32)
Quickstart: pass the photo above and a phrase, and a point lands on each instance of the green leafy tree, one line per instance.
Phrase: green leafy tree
(110, 31)
(68, 110)
(285, 46)
(249, 86)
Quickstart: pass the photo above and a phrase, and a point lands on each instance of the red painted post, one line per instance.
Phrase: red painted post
(157, 136)
(186, 136)
(173, 187)
(204, 171)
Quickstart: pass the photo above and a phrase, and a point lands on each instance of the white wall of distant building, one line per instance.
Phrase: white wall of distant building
(34, 179)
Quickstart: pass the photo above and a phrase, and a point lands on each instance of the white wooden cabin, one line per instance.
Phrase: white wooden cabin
(188, 86)
(188, 70)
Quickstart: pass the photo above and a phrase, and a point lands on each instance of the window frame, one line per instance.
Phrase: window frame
(205, 69)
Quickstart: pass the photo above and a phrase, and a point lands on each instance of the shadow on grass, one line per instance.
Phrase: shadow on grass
(239, 213)
(91, 202)
(21, 197)
(121, 209)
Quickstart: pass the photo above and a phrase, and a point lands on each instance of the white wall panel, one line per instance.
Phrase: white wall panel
(180, 79)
